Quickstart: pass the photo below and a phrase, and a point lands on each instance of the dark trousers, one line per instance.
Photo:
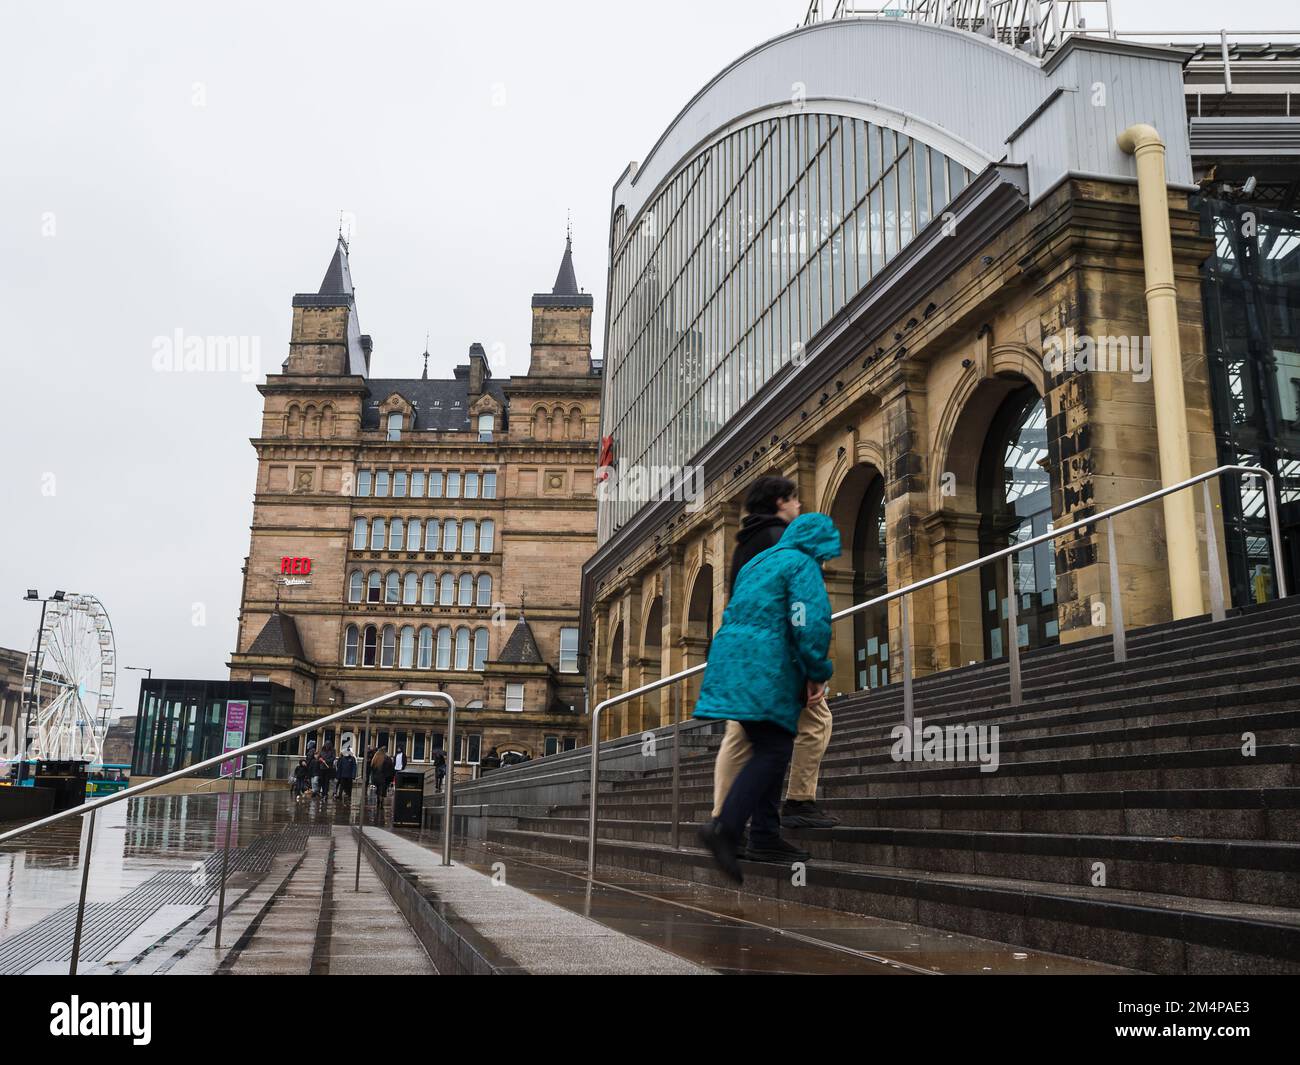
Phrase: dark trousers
(755, 796)
(345, 789)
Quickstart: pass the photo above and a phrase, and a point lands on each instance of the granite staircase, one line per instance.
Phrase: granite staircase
(1144, 814)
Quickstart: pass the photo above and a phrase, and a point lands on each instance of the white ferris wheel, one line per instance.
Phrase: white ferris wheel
(71, 672)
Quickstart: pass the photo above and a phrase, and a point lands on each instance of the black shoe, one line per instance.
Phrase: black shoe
(715, 839)
(776, 850)
(806, 814)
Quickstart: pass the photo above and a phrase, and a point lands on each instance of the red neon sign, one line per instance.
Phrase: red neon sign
(297, 566)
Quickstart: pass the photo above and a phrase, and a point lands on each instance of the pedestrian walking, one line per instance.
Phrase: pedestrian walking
(346, 771)
(771, 504)
(768, 661)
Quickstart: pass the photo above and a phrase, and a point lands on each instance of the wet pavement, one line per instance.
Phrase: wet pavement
(725, 930)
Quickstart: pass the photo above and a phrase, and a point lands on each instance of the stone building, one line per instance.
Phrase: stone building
(870, 287)
(425, 533)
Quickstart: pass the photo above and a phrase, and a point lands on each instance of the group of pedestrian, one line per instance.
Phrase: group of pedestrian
(767, 671)
(322, 774)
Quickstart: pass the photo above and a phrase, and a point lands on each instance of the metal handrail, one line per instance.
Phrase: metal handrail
(227, 776)
(1217, 611)
(92, 808)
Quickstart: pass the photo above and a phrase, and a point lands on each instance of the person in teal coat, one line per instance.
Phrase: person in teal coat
(768, 660)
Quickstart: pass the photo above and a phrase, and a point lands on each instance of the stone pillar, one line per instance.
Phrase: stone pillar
(903, 402)
(958, 633)
(672, 583)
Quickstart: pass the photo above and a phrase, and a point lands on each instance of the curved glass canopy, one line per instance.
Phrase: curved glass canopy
(737, 264)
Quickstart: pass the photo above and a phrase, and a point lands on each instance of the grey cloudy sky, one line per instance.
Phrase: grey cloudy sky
(171, 167)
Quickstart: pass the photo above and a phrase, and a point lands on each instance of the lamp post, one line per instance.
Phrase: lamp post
(32, 596)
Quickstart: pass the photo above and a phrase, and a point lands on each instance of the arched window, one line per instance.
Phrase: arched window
(431, 535)
(447, 590)
(486, 423)
(429, 589)
(395, 425)
(462, 648)
(444, 648)
(480, 648)
(466, 596)
(486, 535)
(389, 647)
(449, 533)
(356, 586)
(374, 591)
(414, 530)
(369, 646)
(359, 534)
(410, 589)
(468, 534)
(378, 531)
(406, 654)
(350, 646)
(392, 587)
(425, 661)
(396, 534)
(484, 590)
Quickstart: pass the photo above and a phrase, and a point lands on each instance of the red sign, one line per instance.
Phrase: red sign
(299, 566)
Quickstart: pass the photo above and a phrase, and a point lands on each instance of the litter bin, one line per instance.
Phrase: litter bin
(408, 797)
(66, 779)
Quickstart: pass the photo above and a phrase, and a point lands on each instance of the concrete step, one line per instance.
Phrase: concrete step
(1231, 870)
(1214, 813)
(1142, 930)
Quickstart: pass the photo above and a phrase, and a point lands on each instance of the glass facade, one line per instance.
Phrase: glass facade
(1252, 320)
(181, 722)
(741, 259)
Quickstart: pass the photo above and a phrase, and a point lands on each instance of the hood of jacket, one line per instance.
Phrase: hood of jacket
(813, 534)
(756, 523)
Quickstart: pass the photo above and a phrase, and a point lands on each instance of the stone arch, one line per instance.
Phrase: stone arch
(860, 648)
(957, 520)
(697, 626)
(651, 662)
(967, 416)
(293, 420)
(327, 425)
(540, 423)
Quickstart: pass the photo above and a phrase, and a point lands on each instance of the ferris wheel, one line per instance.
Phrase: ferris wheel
(71, 672)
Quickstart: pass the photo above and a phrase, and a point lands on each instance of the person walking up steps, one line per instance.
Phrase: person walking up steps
(772, 503)
(768, 661)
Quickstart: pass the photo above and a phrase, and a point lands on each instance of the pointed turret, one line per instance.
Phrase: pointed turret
(566, 282)
(562, 325)
(326, 338)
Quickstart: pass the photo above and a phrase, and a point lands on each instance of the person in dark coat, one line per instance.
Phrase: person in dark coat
(491, 760)
(771, 504)
(346, 772)
(768, 661)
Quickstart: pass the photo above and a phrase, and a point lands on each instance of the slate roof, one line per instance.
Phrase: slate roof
(439, 404)
(521, 648)
(279, 636)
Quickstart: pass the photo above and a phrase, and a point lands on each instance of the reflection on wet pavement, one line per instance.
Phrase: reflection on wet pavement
(726, 930)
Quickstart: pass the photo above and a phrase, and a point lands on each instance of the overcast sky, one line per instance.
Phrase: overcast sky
(171, 167)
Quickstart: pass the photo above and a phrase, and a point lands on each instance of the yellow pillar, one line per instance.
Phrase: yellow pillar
(1143, 142)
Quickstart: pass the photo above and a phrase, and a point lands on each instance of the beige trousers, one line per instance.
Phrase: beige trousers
(805, 764)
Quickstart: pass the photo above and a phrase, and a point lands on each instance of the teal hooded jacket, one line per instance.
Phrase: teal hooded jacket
(776, 631)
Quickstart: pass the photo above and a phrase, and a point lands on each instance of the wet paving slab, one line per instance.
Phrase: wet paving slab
(731, 931)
